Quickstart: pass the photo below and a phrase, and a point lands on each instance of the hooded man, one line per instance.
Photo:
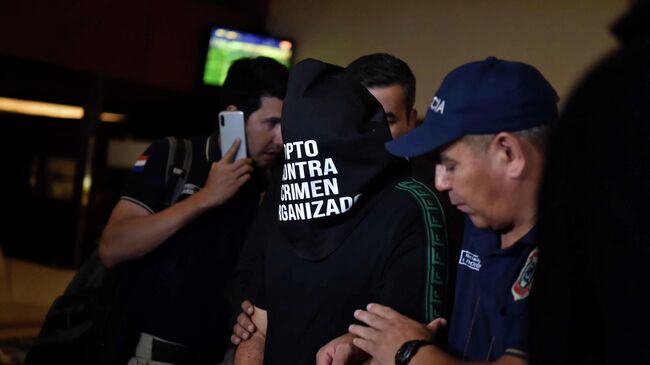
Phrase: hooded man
(345, 226)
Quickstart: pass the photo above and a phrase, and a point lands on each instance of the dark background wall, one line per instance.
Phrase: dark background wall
(141, 58)
(158, 43)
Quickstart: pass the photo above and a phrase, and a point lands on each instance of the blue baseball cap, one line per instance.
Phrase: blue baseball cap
(482, 97)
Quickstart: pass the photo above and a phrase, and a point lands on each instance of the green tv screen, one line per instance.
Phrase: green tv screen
(227, 45)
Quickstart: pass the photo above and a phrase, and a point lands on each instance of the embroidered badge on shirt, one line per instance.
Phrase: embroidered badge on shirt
(140, 163)
(521, 287)
(470, 260)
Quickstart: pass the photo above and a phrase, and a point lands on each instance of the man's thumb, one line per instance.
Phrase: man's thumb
(437, 324)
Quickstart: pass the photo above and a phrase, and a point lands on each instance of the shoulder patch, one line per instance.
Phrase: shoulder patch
(521, 286)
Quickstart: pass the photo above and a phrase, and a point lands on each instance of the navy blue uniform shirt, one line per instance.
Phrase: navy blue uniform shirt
(490, 316)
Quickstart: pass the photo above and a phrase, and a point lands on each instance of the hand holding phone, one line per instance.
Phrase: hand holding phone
(228, 174)
(231, 126)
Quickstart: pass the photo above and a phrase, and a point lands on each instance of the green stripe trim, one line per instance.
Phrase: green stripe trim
(436, 231)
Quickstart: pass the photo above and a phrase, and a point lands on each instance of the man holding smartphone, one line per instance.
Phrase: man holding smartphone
(182, 253)
(489, 123)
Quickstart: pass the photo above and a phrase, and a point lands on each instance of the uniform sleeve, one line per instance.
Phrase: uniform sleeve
(517, 340)
(402, 283)
(145, 184)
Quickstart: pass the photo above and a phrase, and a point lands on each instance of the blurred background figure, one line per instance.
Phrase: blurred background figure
(591, 290)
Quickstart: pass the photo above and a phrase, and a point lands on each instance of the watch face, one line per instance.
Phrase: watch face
(408, 349)
(402, 352)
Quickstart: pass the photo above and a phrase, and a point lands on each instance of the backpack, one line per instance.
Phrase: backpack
(83, 324)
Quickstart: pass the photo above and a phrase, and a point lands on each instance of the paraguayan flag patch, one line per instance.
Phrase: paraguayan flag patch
(140, 163)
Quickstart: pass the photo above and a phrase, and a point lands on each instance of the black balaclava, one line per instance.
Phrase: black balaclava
(334, 132)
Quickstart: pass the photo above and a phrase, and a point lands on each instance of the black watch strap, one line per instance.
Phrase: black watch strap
(406, 352)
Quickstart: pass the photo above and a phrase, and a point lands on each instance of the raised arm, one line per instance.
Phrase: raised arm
(132, 230)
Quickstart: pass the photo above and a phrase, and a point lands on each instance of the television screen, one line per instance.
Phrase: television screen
(227, 45)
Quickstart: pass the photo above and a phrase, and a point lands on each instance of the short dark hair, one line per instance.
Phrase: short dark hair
(381, 70)
(249, 79)
(537, 136)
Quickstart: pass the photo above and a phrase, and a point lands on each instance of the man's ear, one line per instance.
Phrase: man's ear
(231, 108)
(509, 153)
(413, 118)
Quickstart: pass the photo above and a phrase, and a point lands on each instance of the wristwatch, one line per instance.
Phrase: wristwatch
(408, 350)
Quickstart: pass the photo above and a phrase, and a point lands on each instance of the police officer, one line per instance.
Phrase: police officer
(488, 123)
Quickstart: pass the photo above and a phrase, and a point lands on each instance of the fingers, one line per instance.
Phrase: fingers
(239, 334)
(242, 179)
(342, 354)
(235, 340)
(241, 169)
(437, 328)
(244, 326)
(437, 324)
(232, 151)
(245, 322)
(362, 331)
(363, 344)
(383, 311)
(323, 358)
(370, 319)
(243, 162)
(238, 171)
(240, 331)
(226, 167)
(247, 307)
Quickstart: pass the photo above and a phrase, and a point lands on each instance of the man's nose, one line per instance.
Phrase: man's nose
(442, 179)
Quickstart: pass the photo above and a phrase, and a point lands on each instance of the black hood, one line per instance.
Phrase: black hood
(334, 132)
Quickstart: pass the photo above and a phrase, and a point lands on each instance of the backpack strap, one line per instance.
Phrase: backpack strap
(178, 167)
(433, 215)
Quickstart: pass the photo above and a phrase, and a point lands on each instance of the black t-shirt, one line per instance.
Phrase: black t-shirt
(176, 291)
(388, 259)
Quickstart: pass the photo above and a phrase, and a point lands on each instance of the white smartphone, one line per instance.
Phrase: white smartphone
(231, 126)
